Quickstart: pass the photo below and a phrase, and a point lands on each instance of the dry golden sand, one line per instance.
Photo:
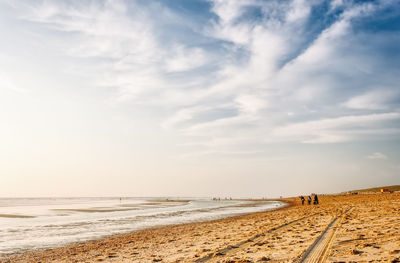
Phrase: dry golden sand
(369, 232)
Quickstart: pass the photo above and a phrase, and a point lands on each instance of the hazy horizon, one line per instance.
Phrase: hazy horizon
(245, 98)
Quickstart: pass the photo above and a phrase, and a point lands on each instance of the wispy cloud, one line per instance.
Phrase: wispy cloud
(379, 99)
(335, 129)
(184, 59)
(7, 83)
(377, 156)
(257, 72)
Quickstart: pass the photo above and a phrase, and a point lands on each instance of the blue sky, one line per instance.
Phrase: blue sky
(198, 98)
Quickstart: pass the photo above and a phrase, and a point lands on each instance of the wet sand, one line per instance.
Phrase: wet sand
(354, 228)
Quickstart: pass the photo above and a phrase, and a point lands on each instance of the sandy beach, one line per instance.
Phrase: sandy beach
(343, 228)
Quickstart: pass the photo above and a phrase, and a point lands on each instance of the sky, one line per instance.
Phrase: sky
(203, 98)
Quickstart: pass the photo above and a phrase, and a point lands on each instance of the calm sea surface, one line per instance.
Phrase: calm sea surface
(36, 223)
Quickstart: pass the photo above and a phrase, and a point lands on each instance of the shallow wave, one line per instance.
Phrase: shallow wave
(59, 222)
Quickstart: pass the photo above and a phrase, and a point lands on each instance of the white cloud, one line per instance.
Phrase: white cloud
(264, 77)
(181, 116)
(334, 129)
(183, 59)
(300, 9)
(6, 82)
(377, 156)
(228, 11)
(294, 85)
(324, 47)
(373, 100)
(122, 40)
(250, 103)
(336, 4)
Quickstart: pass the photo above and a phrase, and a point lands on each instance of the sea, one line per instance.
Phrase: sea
(28, 224)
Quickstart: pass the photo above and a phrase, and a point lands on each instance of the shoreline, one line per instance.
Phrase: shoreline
(359, 228)
(151, 228)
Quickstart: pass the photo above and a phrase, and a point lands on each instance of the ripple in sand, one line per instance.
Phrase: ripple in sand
(15, 216)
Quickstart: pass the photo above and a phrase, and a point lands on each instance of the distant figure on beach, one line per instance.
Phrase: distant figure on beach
(302, 200)
(309, 200)
(316, 202)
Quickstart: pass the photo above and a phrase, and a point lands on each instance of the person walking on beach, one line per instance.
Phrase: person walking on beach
(309, 200)
(302, 200)
(316, 202)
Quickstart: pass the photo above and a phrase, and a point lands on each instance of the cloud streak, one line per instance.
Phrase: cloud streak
(377, 156)
(257, 72)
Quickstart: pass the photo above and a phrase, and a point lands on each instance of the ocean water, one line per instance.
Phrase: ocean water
(36, 223)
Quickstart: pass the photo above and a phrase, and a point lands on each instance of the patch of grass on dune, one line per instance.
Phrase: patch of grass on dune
(378, 189)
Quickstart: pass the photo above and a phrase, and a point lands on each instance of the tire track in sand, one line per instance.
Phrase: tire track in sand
(238, 245)
(319, 249)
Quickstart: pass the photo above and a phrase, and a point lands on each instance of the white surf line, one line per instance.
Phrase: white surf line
(318, 251)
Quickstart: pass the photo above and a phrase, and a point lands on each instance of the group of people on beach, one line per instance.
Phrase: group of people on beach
(309, 199)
